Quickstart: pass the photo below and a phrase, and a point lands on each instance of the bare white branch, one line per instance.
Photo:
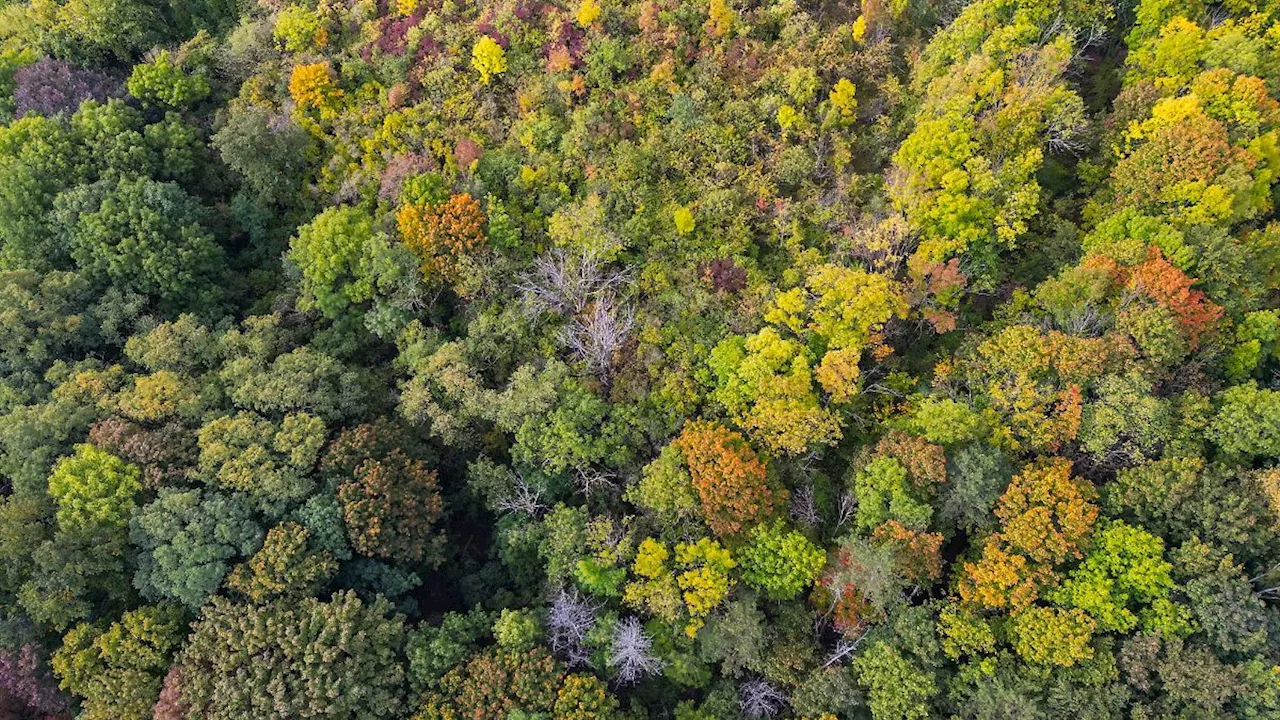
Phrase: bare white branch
(569, 618)
(758, 699)
(631, 657)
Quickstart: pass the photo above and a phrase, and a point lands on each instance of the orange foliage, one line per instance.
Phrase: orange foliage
(729, 477)
(918, 554)
(1166, 284)
(1046, 513)
(1000, 579)
(1047, 516)
(442, 234)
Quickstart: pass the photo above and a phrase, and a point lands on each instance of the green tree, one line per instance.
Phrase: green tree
(186, 539)
(94, 490)
(340, 658)
(896, 687)
(141, 236)
(117, 671)
(333, 253)
(166, 84)
(1248, 421)
(781, 563)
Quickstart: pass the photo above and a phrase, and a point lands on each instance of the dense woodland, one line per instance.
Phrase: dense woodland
(627, 359)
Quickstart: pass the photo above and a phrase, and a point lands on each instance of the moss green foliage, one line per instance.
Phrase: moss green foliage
(631, 359)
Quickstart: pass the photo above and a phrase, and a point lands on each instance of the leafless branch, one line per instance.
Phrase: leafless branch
(525, 499)
(569, 619)
(596, 335)
(758, 699)
(631, 656)
(803, 507)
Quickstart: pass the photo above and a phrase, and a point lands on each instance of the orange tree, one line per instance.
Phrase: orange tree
(729, 477)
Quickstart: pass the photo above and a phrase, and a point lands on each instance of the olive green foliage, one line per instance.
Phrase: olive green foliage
(334, 658)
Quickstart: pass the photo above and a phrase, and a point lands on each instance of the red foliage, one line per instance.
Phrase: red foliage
(725, 275)
(170, 705)
(918, 555)
(926, 463)
(165, 454)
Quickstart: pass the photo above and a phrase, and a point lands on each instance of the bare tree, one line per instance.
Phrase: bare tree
(524, 498)
(564, 283)
(569, 619)
(592, 480)
(844, 512)
(630, 656)
(598, 333)
(758, 699)
(845, 646)
(804, 509)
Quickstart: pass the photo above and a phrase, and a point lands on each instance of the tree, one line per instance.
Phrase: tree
(307, 660)
(94, 491)
(1179, 499)
(49, 87)
(1124, 572)
(186, 539)
(312, 87)
(896, 687)
(302, 380)
(766, 383)
(270, 152)
(493, 684)
(488, 58)
(283, 567)
(666, 488)
(730, 480)
(141, 236)
(333, 253)
(883, 494)
(434, 650)
(780, 562)
(163, 83)
(689, 588)
(391, 503)
(442, 234)
(977, 475)
(861, 585)
(99, 30)
(1046, 514)
(1046, 517)
(1052, 636)
(1246, 423)
(117, 671)
(266, 461)
(584, 697)
(630, 654)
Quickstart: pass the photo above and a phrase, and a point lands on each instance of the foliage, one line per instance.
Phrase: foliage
(334, 658)
(117, 671)
(780, 562)
(93, 490)
(187, 538)
(729, 478)
(633, 359)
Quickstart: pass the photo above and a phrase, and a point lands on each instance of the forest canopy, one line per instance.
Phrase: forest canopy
(639, 359)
